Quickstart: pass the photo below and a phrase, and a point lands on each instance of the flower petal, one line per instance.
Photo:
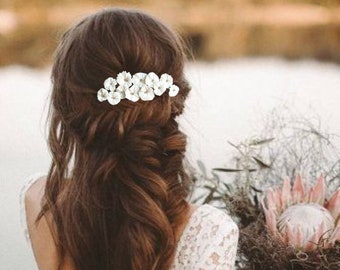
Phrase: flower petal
(122, 88)
(333, 205)
(132, 93)
(167, 80)
(173, 91)
(299, 237)
(151, 79)
(146, 93)
(159, 88)
(110, 84)
(138, 79)
(285, 196)
(278, 200)
(315, 238)
(272, 200)
(289, 235)
(114, 98)
(132, 97)
(335, 236)
(102, 94)
(318, 192)
(124, 79)
(298, 190)
(271, 220)
(311, 244)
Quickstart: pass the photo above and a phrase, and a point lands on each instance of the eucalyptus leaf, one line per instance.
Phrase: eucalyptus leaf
(256, 189)
(261, 163)
(264, 141)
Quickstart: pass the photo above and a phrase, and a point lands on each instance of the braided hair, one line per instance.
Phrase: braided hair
(116, 188)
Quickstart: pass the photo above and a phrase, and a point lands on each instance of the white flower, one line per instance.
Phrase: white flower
(124, 78)
(132, 93)
(173, 91)
(114, 98)
(146, 93)
(139, 86)
(151, 79)
(167, 80)
(122, 90)
(139, 79)
(301, 216)
(306, 218)
(102, 94)
(110, 84)
(159, 88)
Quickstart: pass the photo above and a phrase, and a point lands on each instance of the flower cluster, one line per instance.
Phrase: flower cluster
(139, 86)
(301, 216)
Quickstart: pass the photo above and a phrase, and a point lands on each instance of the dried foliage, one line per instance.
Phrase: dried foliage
(289, 144)
(257, 250)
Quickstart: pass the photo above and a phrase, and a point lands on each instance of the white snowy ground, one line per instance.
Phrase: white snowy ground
(228, 102)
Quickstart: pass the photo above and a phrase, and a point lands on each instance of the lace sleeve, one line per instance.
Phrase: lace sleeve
(221, 252)
(29, 181)
(208, 242)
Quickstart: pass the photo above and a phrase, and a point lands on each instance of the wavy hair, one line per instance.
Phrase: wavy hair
(116, 188)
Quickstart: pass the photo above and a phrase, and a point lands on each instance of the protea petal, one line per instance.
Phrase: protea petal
(312, 242)
(300, 217)
(333, 205)
(272, 200)
(277, 199)
(285, 196)
(299, 237)
(315, 238)
(322, 231)
(318, 192)
(337, 223)
(335, 236)
(298, 190)
(270, 219)
(289, 237)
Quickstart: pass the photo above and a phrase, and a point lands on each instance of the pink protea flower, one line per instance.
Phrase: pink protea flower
(301, 216)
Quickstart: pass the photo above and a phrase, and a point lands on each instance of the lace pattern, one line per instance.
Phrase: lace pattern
(208, 242)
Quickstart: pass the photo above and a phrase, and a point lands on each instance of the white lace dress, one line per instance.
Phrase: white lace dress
(208, 242)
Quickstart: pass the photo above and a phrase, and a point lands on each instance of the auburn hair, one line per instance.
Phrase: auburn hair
(116, 188)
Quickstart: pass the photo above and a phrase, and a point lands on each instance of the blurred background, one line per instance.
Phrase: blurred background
(293, 29)
(250, 57)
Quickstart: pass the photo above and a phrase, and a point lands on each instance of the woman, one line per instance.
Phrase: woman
(115, 195)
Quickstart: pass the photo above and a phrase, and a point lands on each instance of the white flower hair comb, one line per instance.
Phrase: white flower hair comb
(139, 86)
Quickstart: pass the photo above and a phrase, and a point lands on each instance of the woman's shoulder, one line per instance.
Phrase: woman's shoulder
(211, 215)
(35, 190)
(31, 183)
(214, 220)
(40, 234)
(31, 195)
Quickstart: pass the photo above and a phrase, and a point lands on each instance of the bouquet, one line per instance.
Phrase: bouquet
(286, 222)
